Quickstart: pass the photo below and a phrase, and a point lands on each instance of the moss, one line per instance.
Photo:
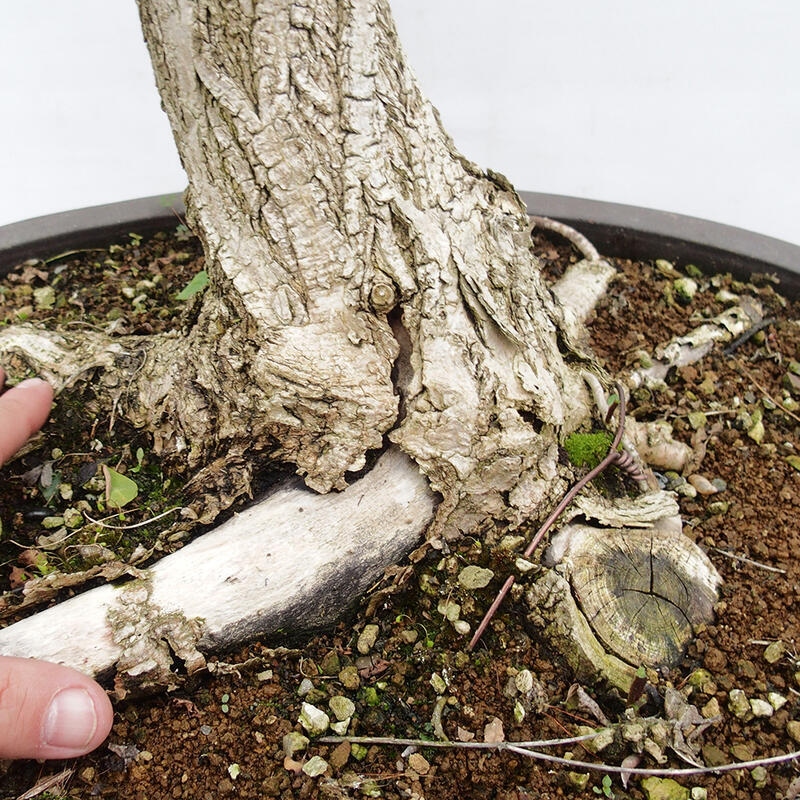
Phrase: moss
(587, 449)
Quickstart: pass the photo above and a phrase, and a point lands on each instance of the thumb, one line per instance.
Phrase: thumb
(49, 711)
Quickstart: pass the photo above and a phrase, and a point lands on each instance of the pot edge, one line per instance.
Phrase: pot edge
(615, 229)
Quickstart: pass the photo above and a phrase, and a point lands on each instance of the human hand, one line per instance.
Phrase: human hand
(46, 710)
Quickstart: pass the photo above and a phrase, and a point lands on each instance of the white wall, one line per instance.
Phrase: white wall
(687, 106)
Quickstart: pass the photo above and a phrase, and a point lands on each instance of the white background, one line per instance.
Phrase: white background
(690, 106)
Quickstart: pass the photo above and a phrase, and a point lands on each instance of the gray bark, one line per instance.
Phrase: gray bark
(366, 279)
(367, 282)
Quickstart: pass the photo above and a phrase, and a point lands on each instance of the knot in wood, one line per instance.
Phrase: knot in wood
(383, 297)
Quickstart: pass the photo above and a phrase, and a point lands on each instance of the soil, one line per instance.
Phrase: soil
(222, 734)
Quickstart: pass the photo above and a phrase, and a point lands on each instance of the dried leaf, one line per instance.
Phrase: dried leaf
(578, 699)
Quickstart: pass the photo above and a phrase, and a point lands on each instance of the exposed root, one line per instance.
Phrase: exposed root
(581, 243)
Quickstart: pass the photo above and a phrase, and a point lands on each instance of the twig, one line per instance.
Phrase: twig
(748, 334)
(748, 560)
(766, 394)
(527, 749)
(45, 784)
(391, 741)
(612, 457)
(134, 525)
(662, 772)
(584, 246)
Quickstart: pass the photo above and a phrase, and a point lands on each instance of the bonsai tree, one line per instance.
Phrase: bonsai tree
(368, 283)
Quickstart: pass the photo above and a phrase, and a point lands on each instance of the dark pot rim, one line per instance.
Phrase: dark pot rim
(615, 229)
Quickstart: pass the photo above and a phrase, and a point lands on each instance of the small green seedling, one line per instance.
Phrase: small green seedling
(139, 461)
(605, 788)
(195, 286)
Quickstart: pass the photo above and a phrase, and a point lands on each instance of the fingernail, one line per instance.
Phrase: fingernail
(71, 720)
(29, 383)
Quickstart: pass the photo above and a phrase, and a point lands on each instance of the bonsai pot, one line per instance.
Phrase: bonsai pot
(615, 229)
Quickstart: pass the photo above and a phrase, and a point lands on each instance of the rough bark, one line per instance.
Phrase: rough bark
(341, 229)
(366, 281)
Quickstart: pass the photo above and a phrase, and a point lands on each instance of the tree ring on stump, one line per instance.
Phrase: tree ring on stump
(643, 592)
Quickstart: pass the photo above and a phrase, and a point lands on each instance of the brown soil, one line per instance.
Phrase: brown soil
(221, 735)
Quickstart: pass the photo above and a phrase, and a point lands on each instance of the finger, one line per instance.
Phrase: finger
(49, 711)
(23, 410)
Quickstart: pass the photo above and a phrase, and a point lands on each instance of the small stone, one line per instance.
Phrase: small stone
(73, 518)
(699, 678)
(449, 609)
(602, 739)
(699, 793)
(330, 664)
(633, 732)
(511, 542)
(711, 709)
(409, 635)
(264, 675)
(358, 751)
(419, 763)
(663, 789)
(686, 490)
(777, 701)
(761, 708)
(702, 484)
(578, 780)
(294, 742)
(314, 719)
(438, 682)
(315, 766)
(774, 652)
(52, 522)
(343, 707)
(493, 731)
(742, 752)
(739, 705)
(726, 297)
(697, 419)
(306, 685)
(666, 268)
(519, 712)
(339, 757)
(474, 577)
(45, 297)
(461, 627)
(685, 289)
(718, 508)
(523, 565)
(793, 729)
(759, 776)
(523, 681)
(367, 639)
(340, 728)
(349, 677)
(234, 770)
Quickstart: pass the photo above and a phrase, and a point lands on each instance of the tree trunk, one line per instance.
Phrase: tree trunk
(341, 227)
(367, 283)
